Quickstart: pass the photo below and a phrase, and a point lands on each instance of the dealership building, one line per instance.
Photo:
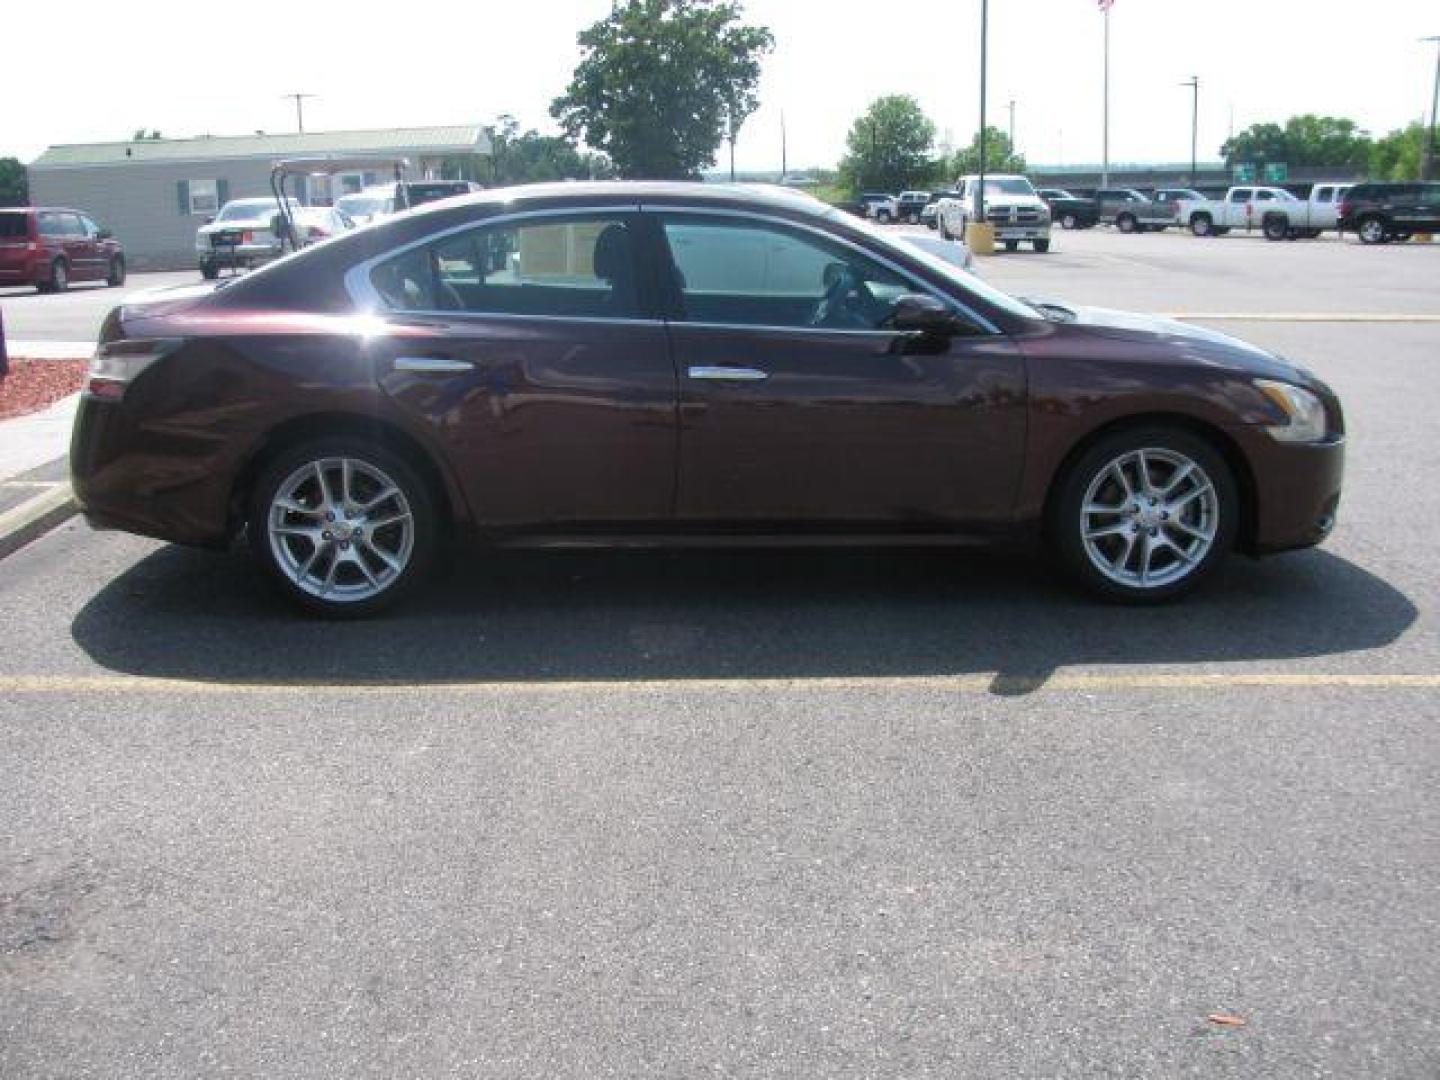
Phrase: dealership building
(154, 193)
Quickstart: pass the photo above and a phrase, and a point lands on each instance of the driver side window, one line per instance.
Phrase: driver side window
(751, 273)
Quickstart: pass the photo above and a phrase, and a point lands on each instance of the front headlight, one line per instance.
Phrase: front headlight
(1305, 412)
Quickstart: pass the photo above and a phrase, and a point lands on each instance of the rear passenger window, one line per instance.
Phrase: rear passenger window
(578, 268)
(14, 226)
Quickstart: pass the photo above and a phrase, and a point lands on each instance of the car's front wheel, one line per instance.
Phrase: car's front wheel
(208, 270)
(344, 526)
(115, 276)
(1144, 515)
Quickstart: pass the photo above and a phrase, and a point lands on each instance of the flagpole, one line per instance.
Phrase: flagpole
(1105, 137)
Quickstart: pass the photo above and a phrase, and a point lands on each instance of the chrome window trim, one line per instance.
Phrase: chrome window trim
(365, 297)
(368, 301)
(920, 284)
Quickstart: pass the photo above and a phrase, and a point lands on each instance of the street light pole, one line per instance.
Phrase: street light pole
(1012, 125)
(1105, 136)
(1432, 150)
(1194, 83)
(984, 71)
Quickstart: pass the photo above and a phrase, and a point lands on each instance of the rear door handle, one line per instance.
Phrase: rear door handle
(432, 365)
(728, 374)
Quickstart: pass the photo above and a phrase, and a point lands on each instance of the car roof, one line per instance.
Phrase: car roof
(620, 192)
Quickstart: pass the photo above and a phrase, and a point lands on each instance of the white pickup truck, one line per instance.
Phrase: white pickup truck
(1012, 206)
(1275, 211)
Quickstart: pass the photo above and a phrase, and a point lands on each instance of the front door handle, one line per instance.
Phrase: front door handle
(432, 365)
(728, 374)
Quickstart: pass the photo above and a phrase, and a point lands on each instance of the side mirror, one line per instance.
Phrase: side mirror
(918, 313)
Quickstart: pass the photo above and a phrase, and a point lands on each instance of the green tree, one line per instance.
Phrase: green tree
(1000, 156)
(1303, 140)
(661, 83)
(14, 183)
(888, 147)
(1398, 156)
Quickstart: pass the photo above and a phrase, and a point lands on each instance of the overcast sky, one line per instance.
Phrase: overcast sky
(194, 68)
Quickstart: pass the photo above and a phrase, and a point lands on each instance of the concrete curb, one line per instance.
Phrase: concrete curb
(35, 517)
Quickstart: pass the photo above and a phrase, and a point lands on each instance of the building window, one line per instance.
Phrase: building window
(203, 197)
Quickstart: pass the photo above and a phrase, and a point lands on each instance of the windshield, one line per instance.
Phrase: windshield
(965, 282)
(1008, 185)
(251, 210)
(360, 205)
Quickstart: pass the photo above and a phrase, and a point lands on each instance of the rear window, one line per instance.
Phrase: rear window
(14, 226)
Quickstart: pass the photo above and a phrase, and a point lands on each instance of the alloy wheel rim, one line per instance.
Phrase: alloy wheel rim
(1149, 518)
(341, 529)
(1371, 230)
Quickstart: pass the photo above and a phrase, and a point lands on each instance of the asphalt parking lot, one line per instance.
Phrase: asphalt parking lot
(762, 814)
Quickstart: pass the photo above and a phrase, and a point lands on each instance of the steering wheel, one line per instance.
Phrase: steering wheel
(846, 302)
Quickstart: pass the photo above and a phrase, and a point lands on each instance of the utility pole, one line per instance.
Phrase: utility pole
(784, 162)
(1105, 6)
(1432, 149)
(1194, 83)
(1012, 125)
(299, 100)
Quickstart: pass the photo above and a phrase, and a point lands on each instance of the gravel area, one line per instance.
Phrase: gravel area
(31, 385)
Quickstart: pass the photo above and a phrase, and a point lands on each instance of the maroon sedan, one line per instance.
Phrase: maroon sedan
(681, 363)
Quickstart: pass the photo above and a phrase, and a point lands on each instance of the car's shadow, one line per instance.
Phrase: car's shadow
(506, 615)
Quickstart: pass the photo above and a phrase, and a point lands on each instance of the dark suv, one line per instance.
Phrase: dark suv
(1379, 213)
(49, 247)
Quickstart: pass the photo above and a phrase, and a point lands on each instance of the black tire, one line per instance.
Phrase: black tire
(1202, 225)
(1401, 235)
(116, 275)
(1373, 230)
(883, 216)
(1012, 245)
(1065, 522)
(1126, 223)
(913, 218)
(1069, 221)
(1277, 228)
(58, 280)
(1041, 246)
(416, 495)
(209, 271)
(930, 224)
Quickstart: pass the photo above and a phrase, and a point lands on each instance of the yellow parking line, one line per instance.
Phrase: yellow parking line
(1300, 316)
(960, 684)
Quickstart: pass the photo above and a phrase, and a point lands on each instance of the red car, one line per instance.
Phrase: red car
(49, 247)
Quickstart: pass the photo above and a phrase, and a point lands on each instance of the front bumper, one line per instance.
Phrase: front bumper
(1021, 232)
(242, 255)
(1297, 491)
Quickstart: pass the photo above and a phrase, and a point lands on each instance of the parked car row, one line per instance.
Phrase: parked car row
(51, 246)
(245, 233)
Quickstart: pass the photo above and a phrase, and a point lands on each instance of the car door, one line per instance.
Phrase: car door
(80, 247)
(529, 348)
(797, 407)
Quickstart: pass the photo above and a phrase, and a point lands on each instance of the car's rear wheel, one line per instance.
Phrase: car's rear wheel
(1276, 228)
(344, 526)
(1069, 221)
(116, 274)
(209, 271)
(1201, 225)
(1012, 245)
(1042, 246)
(1126, 223)
(1372, 231)
(1145, 515)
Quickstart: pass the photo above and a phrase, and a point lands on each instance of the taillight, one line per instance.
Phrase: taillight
(247, 238)
(117, 364)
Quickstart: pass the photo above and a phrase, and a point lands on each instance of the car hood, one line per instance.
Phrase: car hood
(1189, 343)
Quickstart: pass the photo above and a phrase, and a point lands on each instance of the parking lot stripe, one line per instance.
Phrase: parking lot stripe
(961, 684)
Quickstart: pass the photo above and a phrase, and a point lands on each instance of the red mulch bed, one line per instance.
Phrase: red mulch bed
(34, 384)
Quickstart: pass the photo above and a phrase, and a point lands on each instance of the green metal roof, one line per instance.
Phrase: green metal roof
(415, 142)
